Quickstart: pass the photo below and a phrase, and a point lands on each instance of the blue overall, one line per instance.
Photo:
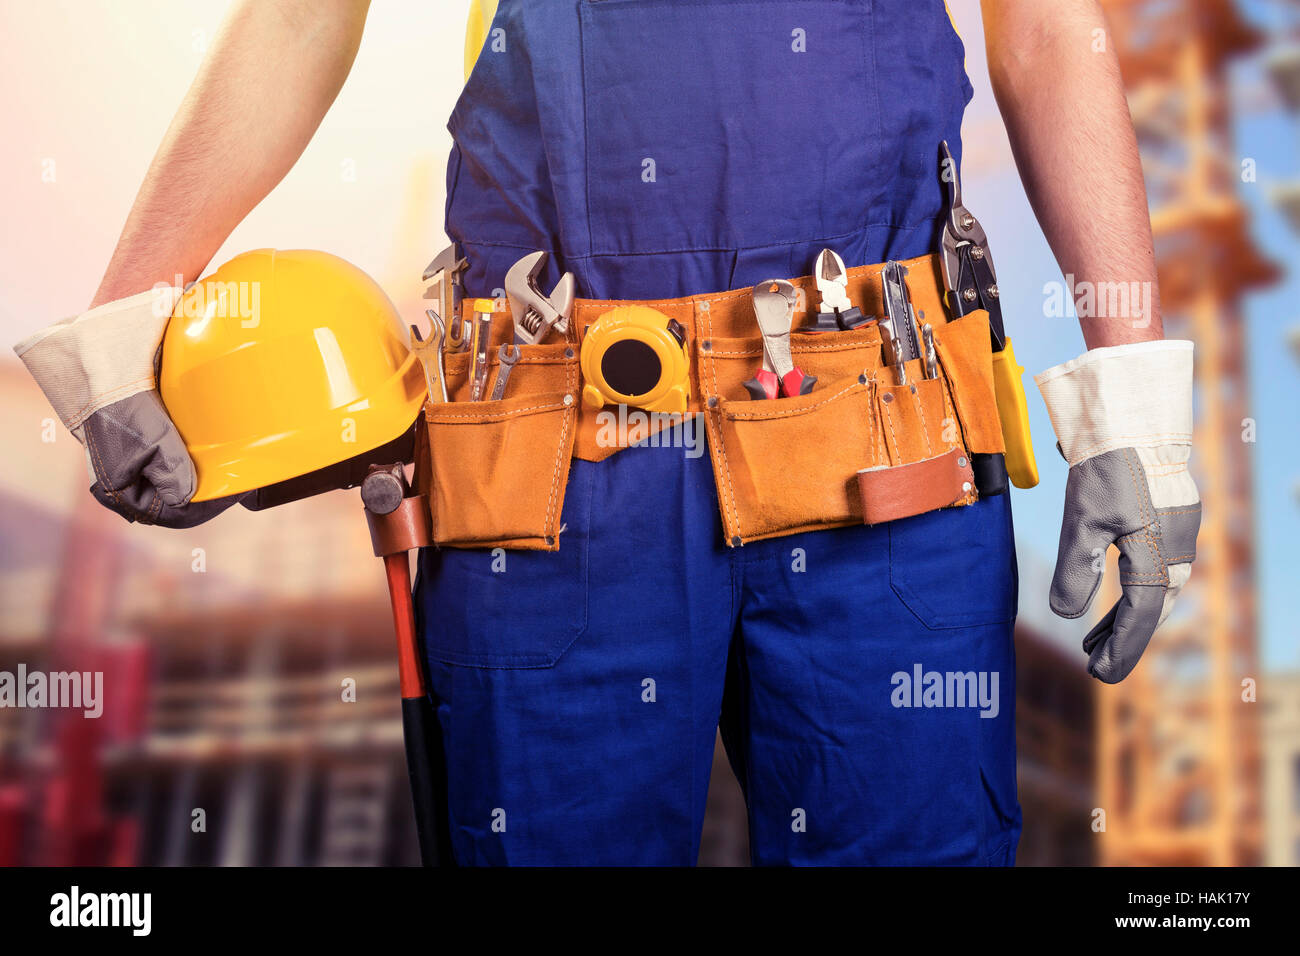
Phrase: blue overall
(863, 677)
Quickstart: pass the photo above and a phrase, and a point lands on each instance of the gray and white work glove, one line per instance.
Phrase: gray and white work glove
(99, 372)
(1123, 420)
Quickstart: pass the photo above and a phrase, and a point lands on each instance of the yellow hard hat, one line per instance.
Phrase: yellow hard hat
(284, 362)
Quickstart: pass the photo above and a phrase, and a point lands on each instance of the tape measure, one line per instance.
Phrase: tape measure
(636, 355)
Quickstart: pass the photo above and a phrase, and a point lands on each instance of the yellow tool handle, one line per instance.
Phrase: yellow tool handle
(1014, 413)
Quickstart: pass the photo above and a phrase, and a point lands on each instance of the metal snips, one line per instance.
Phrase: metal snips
(968, 273)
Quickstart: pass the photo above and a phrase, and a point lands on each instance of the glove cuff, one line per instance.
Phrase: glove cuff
(1124, 396)
(101, 356)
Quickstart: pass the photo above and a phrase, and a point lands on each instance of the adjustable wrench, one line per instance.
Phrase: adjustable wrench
(774, 308)
(534, 312)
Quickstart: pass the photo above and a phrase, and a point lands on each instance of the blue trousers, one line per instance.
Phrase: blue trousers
(864, 678)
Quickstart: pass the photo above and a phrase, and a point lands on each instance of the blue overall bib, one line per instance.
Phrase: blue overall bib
(863, 677)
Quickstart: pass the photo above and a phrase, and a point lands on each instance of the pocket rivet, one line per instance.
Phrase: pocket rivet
(887, 397)
(862, 380)
(568, 353)
(550, 540)
(965, 487)
(735, 542)
(704, 306)
(961, 462)
(713, 401)
(568, 399)
(706, 346)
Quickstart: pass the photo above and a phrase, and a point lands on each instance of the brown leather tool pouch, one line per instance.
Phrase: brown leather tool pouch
(858, 448)
(498, 469)
(787, 465)
(966, 355)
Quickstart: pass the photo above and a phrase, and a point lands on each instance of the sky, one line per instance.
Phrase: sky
(991, 188)
(87, 88)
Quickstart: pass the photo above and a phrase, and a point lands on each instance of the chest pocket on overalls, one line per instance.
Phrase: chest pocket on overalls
(721, 128)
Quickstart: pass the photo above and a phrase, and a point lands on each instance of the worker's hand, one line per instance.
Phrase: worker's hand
(142, 469)
(1123, 419)
(97, 370)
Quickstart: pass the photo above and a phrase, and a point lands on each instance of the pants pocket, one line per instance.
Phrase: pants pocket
(956, 567)
(507, 609)
(789, 464)
(499, 468)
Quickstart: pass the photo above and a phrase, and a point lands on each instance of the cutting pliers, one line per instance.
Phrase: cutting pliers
(836, 312)
(774, 301)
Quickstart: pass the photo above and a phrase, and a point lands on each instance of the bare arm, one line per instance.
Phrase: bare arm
(263, 89)
(1067, 117)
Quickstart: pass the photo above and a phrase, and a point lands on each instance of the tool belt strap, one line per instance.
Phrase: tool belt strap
(498, 469)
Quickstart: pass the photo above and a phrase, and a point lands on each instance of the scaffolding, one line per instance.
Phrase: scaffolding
(1178, 742)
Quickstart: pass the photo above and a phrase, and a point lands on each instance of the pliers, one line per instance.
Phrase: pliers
(774, 301)
(837, 313)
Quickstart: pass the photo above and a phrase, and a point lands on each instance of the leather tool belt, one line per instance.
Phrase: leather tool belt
(857, 448)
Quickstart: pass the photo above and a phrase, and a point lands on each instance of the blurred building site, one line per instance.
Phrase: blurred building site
(253, 718)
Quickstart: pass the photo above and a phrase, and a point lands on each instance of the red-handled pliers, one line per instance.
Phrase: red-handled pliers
(774, 308)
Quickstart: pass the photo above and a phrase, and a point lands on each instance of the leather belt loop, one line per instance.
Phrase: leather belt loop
(901, 491)
(406, 527)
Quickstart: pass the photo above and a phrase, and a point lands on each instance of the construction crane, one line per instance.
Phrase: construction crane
(1178, 742)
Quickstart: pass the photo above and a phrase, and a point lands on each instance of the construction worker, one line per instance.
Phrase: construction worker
(660, 149)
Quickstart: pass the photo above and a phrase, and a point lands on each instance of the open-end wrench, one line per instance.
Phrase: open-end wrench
(430, 355)
(509, 356)
(534, 312)
(774, 308)
(460, 334)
